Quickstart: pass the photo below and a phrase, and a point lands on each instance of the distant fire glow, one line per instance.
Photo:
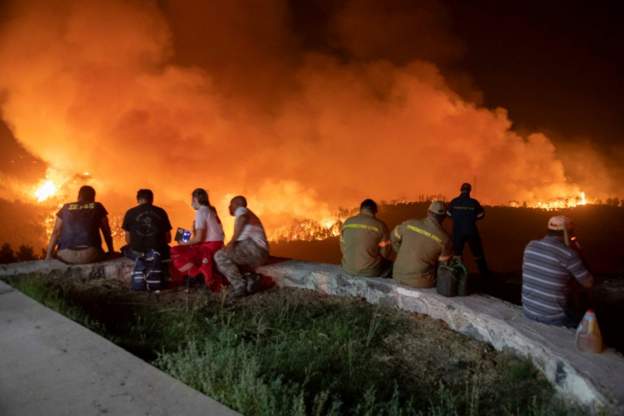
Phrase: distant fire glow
(46, 190)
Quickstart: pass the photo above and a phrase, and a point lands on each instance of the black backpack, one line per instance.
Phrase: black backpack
(148, 272)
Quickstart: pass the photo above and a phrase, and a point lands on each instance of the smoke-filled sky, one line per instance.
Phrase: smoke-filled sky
(303, 106)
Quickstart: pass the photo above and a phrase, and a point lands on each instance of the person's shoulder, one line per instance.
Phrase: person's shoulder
(351, 219)
(158, 209)
(100, 207)
(415, 221)
(133, 210)
(379, 222)
(203, 210)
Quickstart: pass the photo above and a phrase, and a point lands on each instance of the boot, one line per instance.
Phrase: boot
(252, 282)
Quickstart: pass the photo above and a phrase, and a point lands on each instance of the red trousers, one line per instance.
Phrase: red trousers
(199, 256)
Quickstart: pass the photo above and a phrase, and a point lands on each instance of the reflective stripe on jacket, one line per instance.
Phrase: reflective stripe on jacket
(360, 240)
(419, 243)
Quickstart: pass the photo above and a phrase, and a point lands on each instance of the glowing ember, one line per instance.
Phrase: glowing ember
(45, 190)
(553, 204)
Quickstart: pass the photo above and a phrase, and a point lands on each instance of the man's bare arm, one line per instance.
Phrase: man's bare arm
(239, 225)
(108, 236)
(198, 236)
(58, 225)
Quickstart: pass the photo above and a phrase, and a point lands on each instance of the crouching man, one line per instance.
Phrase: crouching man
(247, 249)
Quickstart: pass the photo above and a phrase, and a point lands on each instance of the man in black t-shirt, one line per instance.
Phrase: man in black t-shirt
(77, 230)
(147, 227)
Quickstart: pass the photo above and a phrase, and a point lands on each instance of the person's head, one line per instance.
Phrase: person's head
(437, 210)
(238, 201)
(369, 205)
(86, 194)
(199, 198)
(466, 188)
(145, 196)
(561, 227)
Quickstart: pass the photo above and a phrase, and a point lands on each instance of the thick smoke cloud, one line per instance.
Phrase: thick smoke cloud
(229, 96)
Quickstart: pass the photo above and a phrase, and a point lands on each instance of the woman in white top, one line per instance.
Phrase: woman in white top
(195, 256)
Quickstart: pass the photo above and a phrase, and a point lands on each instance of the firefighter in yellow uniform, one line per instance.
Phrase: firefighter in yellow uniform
(420, 244)
(365, 244)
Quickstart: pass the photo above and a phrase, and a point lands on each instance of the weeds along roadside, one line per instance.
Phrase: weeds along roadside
(296, 355)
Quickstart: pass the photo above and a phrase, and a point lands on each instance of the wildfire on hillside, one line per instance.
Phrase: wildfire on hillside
(52, 193)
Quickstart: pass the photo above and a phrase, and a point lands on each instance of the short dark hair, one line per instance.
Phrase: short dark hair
(146, 195)
(370, 205)
(242, 201)
(86, 194)
(201, 195)
(466, 187)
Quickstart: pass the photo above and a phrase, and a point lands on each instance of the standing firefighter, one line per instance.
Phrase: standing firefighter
(465, 212)
(364, 243)
(420, 244)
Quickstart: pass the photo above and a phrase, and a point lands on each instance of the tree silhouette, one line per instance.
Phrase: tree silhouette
(25, 253)
(6, 254)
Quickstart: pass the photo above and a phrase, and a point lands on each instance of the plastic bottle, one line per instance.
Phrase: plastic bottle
(588, 336)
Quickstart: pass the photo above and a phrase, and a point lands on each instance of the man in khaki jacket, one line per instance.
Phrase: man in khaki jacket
(365, 244)
(420, 244)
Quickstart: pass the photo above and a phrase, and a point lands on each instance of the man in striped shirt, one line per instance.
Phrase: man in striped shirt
(548, 266)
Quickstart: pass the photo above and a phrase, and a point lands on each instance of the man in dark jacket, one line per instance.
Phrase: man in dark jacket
(465, 212)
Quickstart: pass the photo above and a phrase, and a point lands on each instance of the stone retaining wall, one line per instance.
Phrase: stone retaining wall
(595, 380)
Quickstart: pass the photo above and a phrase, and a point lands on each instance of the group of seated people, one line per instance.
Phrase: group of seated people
(410, 253)
(76, 239)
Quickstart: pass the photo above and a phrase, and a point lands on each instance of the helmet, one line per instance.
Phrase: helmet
(437, 207)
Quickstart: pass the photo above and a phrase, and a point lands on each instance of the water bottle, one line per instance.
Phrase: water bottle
(588, 336)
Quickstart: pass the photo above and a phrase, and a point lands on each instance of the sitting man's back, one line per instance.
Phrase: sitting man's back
(547, 269)
(364, 243)
(147, 227)
(77, 230)
(420, 244)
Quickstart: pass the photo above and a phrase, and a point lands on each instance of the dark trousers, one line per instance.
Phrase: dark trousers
(476, 248)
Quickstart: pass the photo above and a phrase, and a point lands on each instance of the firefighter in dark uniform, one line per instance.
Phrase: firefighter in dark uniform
(465, 212)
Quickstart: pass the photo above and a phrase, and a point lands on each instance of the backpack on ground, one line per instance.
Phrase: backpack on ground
(147, 273)
(452, 278)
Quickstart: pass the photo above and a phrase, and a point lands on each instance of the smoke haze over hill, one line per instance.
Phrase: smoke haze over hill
(235, 97)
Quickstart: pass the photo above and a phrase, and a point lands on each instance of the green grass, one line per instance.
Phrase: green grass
(290, 353)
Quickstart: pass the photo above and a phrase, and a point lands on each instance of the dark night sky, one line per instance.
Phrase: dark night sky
(553, 64)
(556, 65)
